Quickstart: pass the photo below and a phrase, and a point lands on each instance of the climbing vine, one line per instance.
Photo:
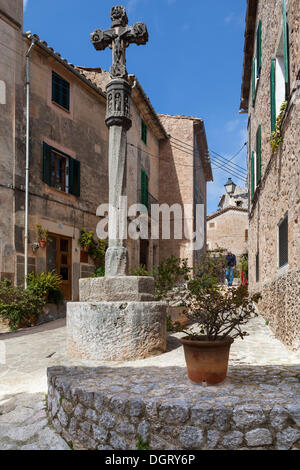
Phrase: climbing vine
(276, 136)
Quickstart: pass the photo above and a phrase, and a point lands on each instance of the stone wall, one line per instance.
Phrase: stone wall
(111, 408)
(278, 193)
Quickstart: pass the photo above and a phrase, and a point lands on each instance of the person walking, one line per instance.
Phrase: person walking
(230, 265)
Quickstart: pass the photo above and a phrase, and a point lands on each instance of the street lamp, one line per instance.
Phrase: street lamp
(230, 186)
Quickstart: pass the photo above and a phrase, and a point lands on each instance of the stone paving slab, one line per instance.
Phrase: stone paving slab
(23, 379)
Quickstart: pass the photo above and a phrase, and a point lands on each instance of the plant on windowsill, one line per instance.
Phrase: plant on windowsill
(217, 315)
(43, 236)
(276, 136)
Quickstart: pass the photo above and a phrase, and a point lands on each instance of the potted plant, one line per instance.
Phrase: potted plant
(218, 315)
(42, 235)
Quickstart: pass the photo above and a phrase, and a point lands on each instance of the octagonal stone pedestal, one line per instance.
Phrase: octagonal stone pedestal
(117, 319)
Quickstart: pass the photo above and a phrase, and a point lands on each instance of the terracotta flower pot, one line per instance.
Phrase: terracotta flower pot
(207, 361)
(42, 243)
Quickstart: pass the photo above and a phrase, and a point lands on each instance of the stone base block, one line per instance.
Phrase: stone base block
(114, 331)
(117, 289)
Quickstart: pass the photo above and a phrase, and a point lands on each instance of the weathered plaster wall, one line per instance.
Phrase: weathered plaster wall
(279, 191)
(181, 181)
(227, 231)
(11, 132)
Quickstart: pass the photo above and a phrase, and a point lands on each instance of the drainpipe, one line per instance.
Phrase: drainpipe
(27, 158)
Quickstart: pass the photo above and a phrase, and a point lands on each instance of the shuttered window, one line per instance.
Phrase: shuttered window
(144, 188)
(60, 91)
(273, 94)
(252, 176)
(283, 242)
(258, 155)
(253, 81)
(144, 132)
(258, 49)
(61, 171)
(257, 267)
(286, 50)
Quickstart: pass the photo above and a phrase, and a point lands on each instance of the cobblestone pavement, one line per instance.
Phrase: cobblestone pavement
(23, 382)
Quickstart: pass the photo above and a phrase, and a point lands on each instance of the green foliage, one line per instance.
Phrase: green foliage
(168, 274)
(99, 271)
(70, 444)
(20, 307)
(139, 271)
(170, 326)
(212, 266)
(46, 285)
(142, 445)
(244, 264)
(42, 233)
(218, 312)
(276, 136)
(96, 249)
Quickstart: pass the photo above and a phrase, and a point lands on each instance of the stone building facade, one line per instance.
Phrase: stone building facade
(227, 228)
(271, 79)
(184, 172)
(68, 147)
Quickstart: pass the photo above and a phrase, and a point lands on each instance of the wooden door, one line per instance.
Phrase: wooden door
(59, 260)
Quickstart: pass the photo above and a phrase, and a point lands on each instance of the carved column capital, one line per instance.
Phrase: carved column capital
(118, 93)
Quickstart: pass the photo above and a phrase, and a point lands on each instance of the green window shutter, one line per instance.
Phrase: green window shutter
(144, 188)
(286, 50)
(273, 95)
(144, 132)
(46, 164)
(74, 177)
(258, 49)
(252, 175)
(258, 154)
(60, 91)
(253, 81)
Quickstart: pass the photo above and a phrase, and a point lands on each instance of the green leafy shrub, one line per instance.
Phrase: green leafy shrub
(169, 274)
(217, 312)
(142, 445)
(139, 271)
(18, 306)
(212, 266)
(46, 285)
(99, 272)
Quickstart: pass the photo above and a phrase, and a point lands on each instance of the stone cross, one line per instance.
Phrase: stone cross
(118, 120)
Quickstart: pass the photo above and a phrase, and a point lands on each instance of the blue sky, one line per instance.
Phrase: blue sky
(192, 64)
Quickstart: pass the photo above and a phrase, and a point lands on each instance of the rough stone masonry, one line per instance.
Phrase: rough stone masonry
(117, 317)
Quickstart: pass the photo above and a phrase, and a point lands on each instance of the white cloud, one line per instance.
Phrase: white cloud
(25, 4)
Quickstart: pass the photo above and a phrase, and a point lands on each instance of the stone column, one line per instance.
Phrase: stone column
(118, 121)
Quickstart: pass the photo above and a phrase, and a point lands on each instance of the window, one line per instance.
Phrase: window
(246, 235)
(60, 170)
(211, 225)
(144, 188)
(256, 63)
(279, 75)
(257, 267)
(60, 91)
(256, 163)
(283, 242)
(144, 132)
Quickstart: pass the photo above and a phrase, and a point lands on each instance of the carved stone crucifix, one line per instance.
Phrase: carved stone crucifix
(118, 39)
(118, 120)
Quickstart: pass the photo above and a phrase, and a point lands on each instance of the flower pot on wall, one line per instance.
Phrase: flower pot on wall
(42, 243)
(207, 361)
